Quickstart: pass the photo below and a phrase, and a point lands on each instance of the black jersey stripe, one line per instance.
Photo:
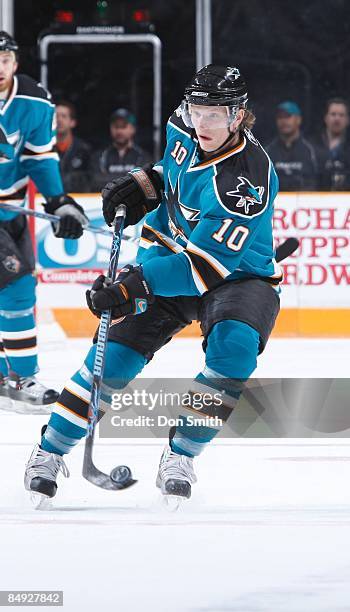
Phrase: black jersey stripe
(148, 234)
(207, 272)
(29, 152)
(153, 236)
(20, 343)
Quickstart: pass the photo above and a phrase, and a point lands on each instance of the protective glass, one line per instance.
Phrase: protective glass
(211, 117)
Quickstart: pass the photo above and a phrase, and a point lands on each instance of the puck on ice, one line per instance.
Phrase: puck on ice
(121, 474)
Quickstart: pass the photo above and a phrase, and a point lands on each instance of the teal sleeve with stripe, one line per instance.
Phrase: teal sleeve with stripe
(43, 168)
(216, 246)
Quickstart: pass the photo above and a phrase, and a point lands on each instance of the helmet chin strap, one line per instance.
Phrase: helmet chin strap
(230, 136)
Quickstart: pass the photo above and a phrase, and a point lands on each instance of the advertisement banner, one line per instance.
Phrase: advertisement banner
(315, 298)
(318, 274)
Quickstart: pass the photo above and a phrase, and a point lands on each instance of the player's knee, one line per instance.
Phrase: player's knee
(232, 349)
(122, 364)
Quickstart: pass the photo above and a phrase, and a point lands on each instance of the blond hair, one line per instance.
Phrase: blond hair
(248, 120)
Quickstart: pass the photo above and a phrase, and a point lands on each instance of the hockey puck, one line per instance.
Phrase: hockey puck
(121, 474)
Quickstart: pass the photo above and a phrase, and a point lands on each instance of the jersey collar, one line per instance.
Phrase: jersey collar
(211, 162)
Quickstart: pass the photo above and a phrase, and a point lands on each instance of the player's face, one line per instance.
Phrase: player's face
(8, 67)
(337, 118)
(65, 123)
(212, 125)
(122, 132)
(287, 124)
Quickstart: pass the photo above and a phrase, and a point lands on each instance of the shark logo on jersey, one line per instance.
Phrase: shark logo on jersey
(248, 196)
(190, 214)
(183, 219)
(176, 232)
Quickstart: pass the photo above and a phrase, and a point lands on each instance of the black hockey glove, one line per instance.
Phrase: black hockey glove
(130, 294)
(72, 220)
(140, 190)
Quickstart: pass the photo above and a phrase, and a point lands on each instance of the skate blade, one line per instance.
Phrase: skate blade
(172, 503)
(28, 408)
(40, 502)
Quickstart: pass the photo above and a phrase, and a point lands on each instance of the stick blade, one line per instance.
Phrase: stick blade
(286, 249)
(102, 480)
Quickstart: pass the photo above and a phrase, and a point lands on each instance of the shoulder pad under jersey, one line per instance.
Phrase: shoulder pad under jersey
(31, 88)
(176, 121)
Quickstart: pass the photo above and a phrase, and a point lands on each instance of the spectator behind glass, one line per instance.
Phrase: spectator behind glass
(122, 155)
(333, 147)
(73, 152)
(293, 156)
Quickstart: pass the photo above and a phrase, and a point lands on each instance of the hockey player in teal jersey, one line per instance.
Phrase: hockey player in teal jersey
(27, 126)
(206, 253)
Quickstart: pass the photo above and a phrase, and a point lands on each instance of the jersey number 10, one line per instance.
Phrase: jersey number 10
(178, 153)
(235, 239)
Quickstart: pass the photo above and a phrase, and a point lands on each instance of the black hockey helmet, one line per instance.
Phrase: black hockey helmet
(215, 86)
(7, 43)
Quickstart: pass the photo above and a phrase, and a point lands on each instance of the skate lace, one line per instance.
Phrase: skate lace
(46, 465)
(35, 387)
(177, 466)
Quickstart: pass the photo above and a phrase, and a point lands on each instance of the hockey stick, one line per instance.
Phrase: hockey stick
(286, 248)
(49, 217)
(120, 477)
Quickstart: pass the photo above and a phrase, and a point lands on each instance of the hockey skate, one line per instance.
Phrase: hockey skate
(40, 476)
(175, 476)
(29, 396)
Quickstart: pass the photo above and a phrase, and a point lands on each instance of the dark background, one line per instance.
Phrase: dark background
(298, 51)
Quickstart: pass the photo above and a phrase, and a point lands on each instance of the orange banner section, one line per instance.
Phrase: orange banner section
(311, 322)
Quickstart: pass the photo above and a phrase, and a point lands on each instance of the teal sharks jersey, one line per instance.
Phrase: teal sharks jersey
(215, 222)
(27, 118)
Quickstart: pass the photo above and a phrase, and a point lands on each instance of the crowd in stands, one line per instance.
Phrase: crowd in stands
(311, 165)
(302, 164)
(86, 171)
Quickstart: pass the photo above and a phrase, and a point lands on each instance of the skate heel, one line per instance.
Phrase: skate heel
(43, 486)
(175, 477)
(41, 474)
(178, 488)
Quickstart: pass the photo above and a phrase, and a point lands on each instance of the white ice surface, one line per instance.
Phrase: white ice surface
(267, 528)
